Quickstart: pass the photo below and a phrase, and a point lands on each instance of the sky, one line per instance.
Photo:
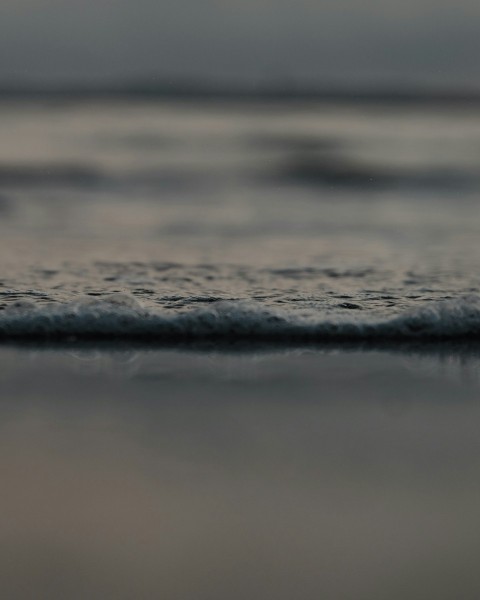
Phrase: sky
(242, 41)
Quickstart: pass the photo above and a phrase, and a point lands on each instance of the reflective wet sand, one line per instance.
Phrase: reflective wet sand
(211, 475)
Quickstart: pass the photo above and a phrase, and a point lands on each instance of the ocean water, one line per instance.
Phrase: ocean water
(239, 353)
(239, 220)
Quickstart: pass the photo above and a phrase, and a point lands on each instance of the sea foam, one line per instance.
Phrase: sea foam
(122, 316)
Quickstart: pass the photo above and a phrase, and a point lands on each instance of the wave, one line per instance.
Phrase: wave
(195, 91)
(301, 168)
(122, 317)
(13, 175)
(338, 172)
(90, 177)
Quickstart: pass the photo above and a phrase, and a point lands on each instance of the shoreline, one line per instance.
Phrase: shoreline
(434, 348)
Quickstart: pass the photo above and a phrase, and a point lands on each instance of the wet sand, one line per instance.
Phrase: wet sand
(211, 474)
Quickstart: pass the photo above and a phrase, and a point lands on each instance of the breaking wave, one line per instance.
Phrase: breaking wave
(121, 316)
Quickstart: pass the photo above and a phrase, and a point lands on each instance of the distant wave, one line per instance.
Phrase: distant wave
(49, 174)
(312, 160)
(195, 91)
(123, 317)
(311, 170)
(54, 175)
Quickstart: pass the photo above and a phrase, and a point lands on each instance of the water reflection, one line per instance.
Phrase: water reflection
(209, 474)
(458, 361)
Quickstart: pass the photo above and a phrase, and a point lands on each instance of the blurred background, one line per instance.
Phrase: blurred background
(334, 135)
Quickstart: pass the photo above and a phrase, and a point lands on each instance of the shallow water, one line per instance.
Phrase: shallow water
(206, 474)
(319, 210)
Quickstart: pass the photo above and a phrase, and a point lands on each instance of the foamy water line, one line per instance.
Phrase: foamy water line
(122, 316)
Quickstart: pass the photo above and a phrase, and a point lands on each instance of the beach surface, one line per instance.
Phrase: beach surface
(210, 473)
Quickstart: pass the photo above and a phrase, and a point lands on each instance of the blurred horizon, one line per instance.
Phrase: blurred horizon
(206, 90)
